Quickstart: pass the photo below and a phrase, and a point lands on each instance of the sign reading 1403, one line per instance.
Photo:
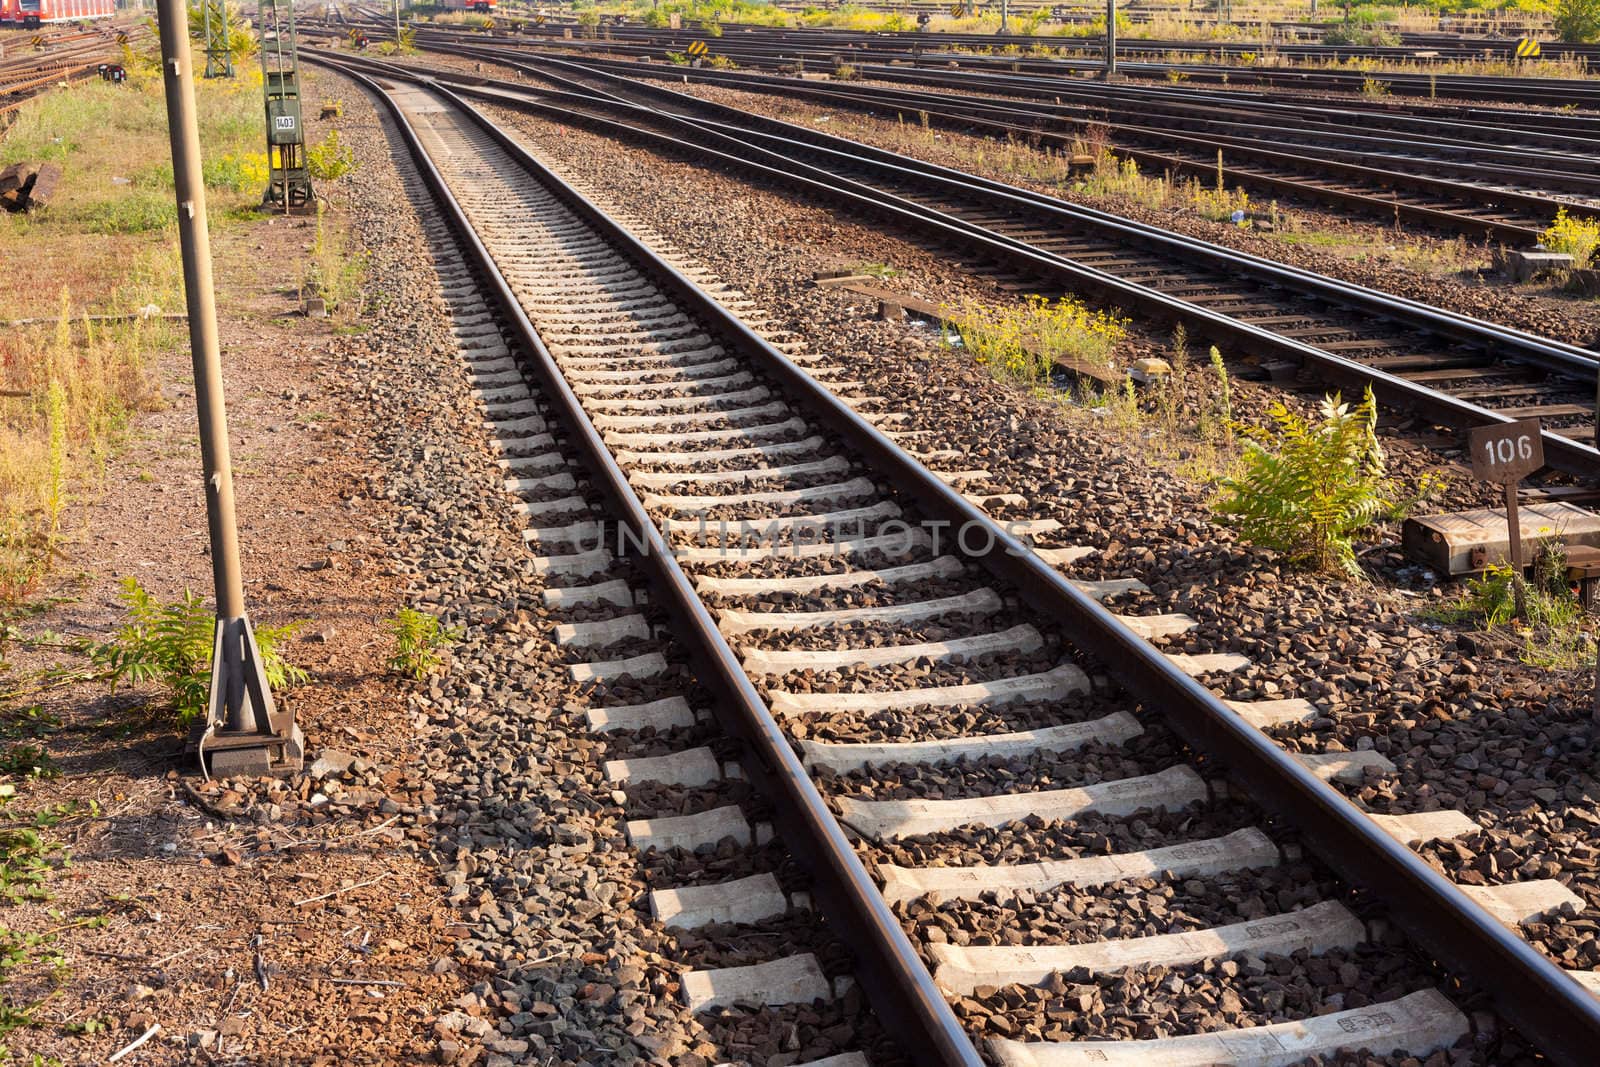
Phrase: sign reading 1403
(1508, 452)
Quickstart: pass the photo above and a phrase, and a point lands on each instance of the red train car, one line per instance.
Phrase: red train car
(33, 13)
(484, 6)
(8, 12)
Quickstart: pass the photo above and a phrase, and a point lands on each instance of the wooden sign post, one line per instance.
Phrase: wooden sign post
(1505, 454)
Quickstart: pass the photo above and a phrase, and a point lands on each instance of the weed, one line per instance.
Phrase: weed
(331, 273)
(1374, 89)
(1578, 238)
(94, 1024)
(171, 644)
(419, 642)
(1354, 33)
(1023, 343)
(1223, 411)
(1547, 628)
(28, 761)
(330, 159)
(1430, 487)
(27, 859)
(236, 171)
(1308, 488)
(30, 722)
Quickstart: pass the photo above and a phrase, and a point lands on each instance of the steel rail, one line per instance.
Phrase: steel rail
(967, 114)
(1534, 993)
(1463, 47)
(1176, 105)
(1549, 354)
(933, 49)
(1360, 157)
(898, 984)
(1561, 452)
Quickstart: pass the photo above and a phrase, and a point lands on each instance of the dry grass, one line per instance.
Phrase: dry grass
(65, 394)
(106, 246)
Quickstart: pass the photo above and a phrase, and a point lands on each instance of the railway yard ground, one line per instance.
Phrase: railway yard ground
(751, 598)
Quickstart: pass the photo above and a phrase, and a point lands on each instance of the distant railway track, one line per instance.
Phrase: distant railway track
(1059, 57)
(782, 535)
(1449, 369)
(66, 57)
(1479, 175)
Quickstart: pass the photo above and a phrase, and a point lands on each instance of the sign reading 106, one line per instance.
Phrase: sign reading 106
(1508, 452)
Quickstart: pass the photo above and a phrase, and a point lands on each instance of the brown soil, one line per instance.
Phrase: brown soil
(303, 931)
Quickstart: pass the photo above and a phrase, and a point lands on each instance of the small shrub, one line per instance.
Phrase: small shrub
(1355, 33)
(170, 645)
(1577, 21)
(419, 642)
(1578, 238)
(330, 159)
(1308, 488)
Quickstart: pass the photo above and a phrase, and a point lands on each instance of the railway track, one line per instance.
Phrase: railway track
(1418, 49)
(1448, 369)
(920, 697)
(65, 58)
(1484, 178)
(821, 49)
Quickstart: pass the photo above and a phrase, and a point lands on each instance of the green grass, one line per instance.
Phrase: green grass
(107, 243)
(111, 143)
(1550, 630)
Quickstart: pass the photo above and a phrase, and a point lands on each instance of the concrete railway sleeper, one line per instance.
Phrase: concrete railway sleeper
(1336, 333)
(928, 691)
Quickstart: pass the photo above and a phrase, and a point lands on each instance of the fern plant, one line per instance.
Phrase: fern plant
(170, 645)
(1307, 488)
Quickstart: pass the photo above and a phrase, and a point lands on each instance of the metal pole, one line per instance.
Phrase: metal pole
(396, 27)
(1514, 549)
(1005, 16)
(1111, 39)
(242, 720)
